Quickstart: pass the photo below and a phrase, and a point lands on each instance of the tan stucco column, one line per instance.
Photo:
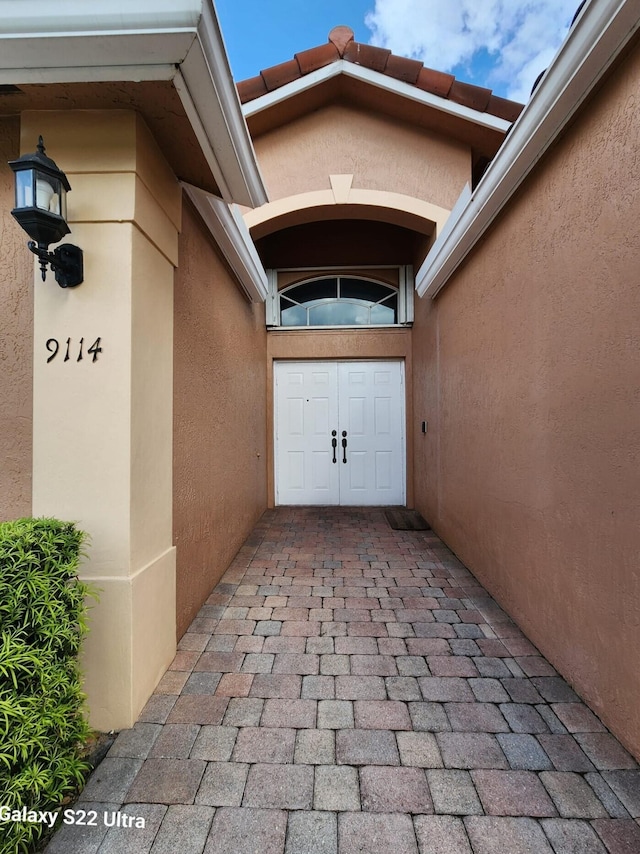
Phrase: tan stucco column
(102, 444)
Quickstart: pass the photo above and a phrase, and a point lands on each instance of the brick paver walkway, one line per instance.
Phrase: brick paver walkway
(349, 688)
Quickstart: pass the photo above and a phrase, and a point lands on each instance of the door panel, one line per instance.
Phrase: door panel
(365, 399)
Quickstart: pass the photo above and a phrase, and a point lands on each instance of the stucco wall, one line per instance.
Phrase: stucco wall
(380, 153)
(219, 418)
(527, 369)
(16, 342)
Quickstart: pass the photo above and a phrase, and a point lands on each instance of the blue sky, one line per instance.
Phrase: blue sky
(501, 44)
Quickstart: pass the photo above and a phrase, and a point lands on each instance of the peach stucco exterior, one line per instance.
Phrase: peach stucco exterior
(16, 342)
(526, 368)
(219, 461)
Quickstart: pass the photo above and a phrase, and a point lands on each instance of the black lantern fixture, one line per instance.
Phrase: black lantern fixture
(41, 210)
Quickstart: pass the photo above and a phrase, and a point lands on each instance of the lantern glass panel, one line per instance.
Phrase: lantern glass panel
(24, 188)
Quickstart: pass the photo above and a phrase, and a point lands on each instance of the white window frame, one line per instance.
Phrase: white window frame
(405, 294)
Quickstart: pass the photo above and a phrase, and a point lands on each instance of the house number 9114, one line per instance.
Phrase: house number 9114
(72, 350)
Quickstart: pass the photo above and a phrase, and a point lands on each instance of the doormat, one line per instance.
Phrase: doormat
(406, 520)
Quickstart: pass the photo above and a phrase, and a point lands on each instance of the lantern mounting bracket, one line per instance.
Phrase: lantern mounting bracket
(66, 261)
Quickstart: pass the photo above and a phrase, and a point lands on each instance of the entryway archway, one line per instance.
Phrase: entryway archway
(340, 433)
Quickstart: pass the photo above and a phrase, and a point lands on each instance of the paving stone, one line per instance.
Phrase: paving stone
(402, 688)
(523, 718)
(382, 714)
(412, 665)
(184, 829)
(336, 788)
(243, 711)
(167, 781)
(606, 752)
(577, 717)
(247, 831)
(276, 685)
(572, 795)
(265, 628)
(453, 792)
(289, 713)
(366, 833)
(214, 743)
(157, 708)
(201, 683)
(366, 747)
(445, 688)
(315, 747)
(220, 662)
(441, 834)
(222, 643)
(258, 662)
(494, 668)
(572, 836)
(279, 787)
(264, 744)
(111, 780)
(334, 665)
(488, 690)
(135, 743)
(523, 752)
(488, 834)
(434, 630)
(427, 645)
(320, 645)
(604, 792)
(356, 646)
(470, 750)
(128, 840)
(292, 663)
(360, 688)
(287, 644)
(513, 793)
(620, 836)
(250, 644)
(429, 716)
(223, 784)
(172, 682)
(565, 753)
(521, 691)
(419, 749)
(373, 665)
(475, 717)
(464, 646)
(198, 709)
(313, 832)
(193, 641)
(451, 665)
(626, 785)
(554, 689)
(550, 718)
(175, 741)
(318, 688)
(392, 790)
(81, 839)
(335, 714)
(468, 630)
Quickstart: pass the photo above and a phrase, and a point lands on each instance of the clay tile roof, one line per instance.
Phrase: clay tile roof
(341, 45)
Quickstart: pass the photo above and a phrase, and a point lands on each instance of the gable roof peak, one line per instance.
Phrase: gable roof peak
(340, 36)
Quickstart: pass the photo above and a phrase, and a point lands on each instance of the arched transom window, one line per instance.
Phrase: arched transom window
(339, 301)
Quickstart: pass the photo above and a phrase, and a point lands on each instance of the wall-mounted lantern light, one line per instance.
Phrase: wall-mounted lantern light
(41, 210)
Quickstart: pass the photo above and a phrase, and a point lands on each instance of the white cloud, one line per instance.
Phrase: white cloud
(502, 44)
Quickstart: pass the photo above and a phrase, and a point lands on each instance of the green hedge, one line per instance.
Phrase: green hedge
(42, 622)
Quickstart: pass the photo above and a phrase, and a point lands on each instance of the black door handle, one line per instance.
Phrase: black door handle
(344, 446)
(334, 444)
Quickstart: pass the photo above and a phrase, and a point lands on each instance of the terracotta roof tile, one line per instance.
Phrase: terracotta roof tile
(469, 95)
(340, 37)
(402, 68)
(280, 75)
(341, 44)
(436, 82)
(367, 55)
(252, 88)
(317, 57)
(504, 109)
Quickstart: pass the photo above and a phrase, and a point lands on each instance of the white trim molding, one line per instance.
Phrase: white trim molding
(231, 235)
(380, 81)
(598, 36)
(140, 40)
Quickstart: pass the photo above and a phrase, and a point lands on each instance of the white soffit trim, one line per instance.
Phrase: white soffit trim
(598, 36)
(380, 81)
(232, 237)
(138, 40)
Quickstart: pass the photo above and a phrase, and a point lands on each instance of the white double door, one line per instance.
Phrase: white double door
(340, 433)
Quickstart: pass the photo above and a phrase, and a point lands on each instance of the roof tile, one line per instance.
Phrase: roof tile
(402, 68)
(469, 95)
(252, 88)
(436, 82)
(367, 55)
(341, 36)
(280, 75)
(317, 57)
(504, 109)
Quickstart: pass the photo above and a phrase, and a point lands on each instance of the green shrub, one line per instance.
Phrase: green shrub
(42, 622)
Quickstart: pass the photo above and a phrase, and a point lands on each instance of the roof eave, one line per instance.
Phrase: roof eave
(597, 38)
(179, 41)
